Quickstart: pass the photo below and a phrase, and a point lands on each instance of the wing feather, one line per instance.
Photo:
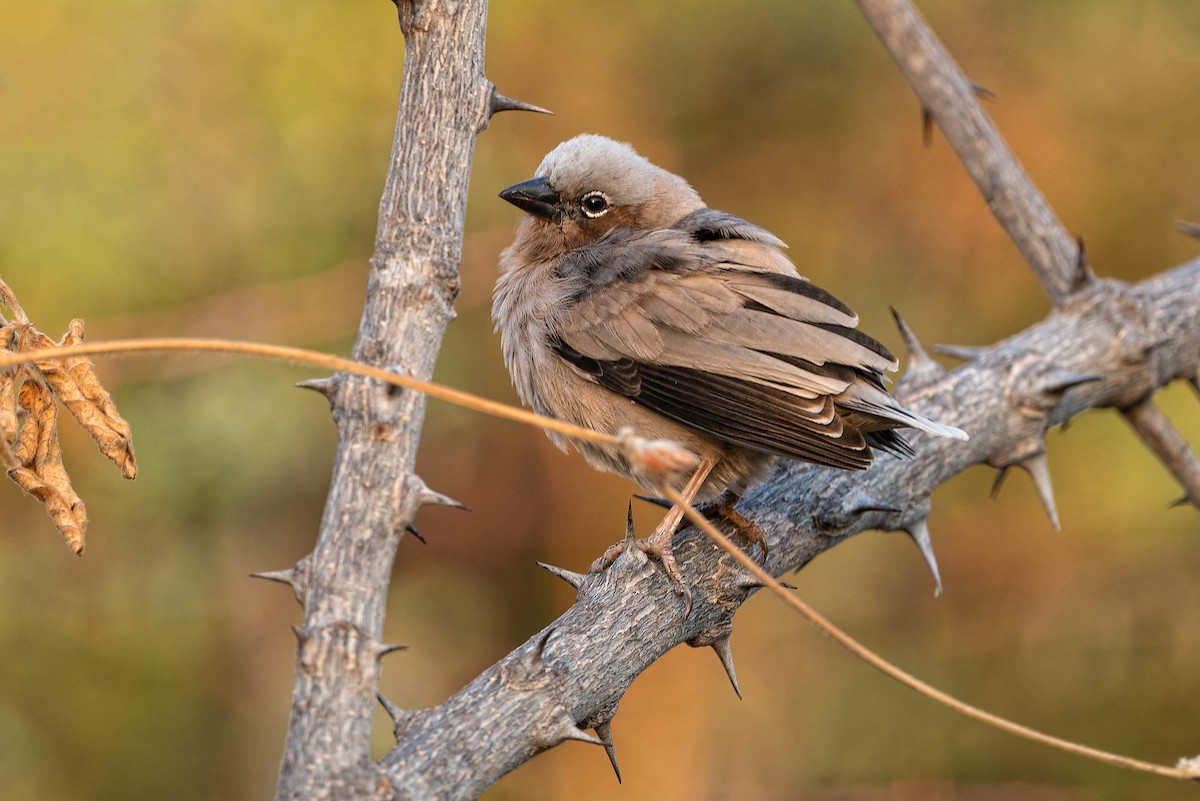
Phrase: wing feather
(725, 338)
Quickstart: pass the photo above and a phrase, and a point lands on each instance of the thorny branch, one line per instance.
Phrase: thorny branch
(1059, 263)
(1106, 344)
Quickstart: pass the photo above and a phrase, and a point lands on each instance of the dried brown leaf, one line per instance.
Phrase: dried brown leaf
(76, 384)
(9, 423)
(40, 471)
(9, 299)
(8, 408)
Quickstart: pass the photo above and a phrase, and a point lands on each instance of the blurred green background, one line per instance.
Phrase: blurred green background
(176, 168)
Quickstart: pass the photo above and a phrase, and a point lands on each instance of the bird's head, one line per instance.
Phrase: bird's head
(591, 184)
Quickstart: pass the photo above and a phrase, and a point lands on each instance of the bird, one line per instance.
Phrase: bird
(625, 302)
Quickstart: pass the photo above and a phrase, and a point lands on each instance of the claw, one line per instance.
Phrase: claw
(662, 552)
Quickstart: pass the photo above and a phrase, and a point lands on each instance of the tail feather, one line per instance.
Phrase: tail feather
(866, 399)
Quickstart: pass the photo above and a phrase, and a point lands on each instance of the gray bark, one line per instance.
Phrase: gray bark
(1106, 344)
(374, 493)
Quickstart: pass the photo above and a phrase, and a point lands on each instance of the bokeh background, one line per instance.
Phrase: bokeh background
(179, 168)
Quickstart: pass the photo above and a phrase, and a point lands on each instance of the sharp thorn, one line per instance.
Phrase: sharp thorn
(663, 502)
(1083, 275)
(751, 582)
(1039, 471)
(919, 532)
(296, 578)
(1057, 381)
(926, 126)
(324, 386)
(539, 650)
(1188, 228)
(919, 360)
(385, 649)
(1001, 472)
(859, 502)
(1182, 500)
(725, 653)
(964, 352)
(411, 529)
(287, 577)
(570, 576)
(428, 497)
(604, 732)
(982, 92)
(1194, 380)
(498, 102)
(569, 731)
(394, 712)
(630, 543)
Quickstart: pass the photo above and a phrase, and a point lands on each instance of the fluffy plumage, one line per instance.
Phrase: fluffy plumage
(625, 301)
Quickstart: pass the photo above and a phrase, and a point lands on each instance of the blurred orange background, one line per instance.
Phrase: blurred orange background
(173, 168)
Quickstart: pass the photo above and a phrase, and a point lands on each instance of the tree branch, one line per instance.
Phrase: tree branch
(949, 97)
(374, 494)
(1060, 264)
(1107, 344)
(573, 673)
(1171, 449)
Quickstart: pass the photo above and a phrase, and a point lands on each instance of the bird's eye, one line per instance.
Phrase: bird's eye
(594, 204)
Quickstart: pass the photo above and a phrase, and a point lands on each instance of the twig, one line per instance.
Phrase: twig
(312, 358)
(1144, 414)
(1165, 442)
(950, 97)
(890, 670)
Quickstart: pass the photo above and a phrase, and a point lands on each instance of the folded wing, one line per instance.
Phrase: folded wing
(715, 333)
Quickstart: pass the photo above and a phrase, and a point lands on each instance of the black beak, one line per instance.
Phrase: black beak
(534, 196)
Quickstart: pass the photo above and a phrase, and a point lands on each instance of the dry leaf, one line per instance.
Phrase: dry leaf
(76, 384)
(30, 450)
(8, 407)
(8, 420)
(41, 472)
(10, 300)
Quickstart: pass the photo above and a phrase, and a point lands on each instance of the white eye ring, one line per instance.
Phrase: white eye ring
(594, 204)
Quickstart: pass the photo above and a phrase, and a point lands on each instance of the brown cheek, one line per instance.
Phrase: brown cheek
(602, 225)
(584, 231)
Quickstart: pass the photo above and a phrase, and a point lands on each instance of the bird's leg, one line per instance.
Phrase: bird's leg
(660, 540)
(658, 544)
(725, 507)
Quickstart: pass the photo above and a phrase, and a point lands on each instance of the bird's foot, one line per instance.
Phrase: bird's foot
(657, 546)
(725, 507)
